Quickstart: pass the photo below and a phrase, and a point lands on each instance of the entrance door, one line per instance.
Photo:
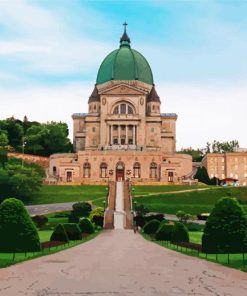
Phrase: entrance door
(170, 176)
(120, 172)
(69, 176)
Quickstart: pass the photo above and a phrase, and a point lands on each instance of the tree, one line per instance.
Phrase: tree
(97, 216)
(164, 232)
(151, 227)
(59, 234)
(220, 147)
(202, 176)
(197, 154)
(184, 217)
(82, 209)
(141, 210)
(17, 230)
(3, 157)
(73, 231)
(180, 233)
(3, 139)
(226, 228)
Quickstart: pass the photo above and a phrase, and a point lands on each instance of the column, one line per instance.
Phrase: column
(119, 142)
(134, 134)
(111, 134)
(126, 138)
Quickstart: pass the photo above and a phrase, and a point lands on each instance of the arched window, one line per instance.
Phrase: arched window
(86, 170)
(123, 108)
(137, 170)
(153, 170)
(103, 170)
(54, 170)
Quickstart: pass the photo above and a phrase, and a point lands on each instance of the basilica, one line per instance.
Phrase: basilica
(124, 135)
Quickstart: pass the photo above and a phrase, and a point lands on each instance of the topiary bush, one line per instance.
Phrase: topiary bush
(73, 231)
(97, 216)
(59, 234)
(180, 233)
(86, 226)
(73, 218)
(151, 227)
(40, 220)
(18, 233)
(140, 220)
(164, 232)
(82, 209)
(226, 228)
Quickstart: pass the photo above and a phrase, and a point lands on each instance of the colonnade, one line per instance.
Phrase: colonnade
(130, 133)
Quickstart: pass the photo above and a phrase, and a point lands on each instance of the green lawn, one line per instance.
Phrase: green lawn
(191, 202)
(196, 237)
(70, 193)
(236, 260)
(148, 189)
(6, 259)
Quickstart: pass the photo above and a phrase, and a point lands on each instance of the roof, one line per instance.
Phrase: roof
(95, 97)
(153, 96)
(125, 63)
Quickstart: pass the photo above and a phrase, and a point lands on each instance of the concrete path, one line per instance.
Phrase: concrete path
(119, 262)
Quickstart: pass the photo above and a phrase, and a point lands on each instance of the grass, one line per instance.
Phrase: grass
(194, 202)
(147, 189)
(196, 237)
(235, 260)
(70, 193)
(6, 259)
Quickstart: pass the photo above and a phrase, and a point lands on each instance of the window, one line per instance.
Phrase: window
(54, 170)
(103, 170)
(86, 170)
(94, 107)
(153, 170)
(94, 129)
(123, 108)
(137, 170)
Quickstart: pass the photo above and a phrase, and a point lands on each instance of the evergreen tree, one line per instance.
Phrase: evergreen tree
(86, 226)
(180, 233)
(17, 230)
(226, 228)
(59, 234)
(202, 176)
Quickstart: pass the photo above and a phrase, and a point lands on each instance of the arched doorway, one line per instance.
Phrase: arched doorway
(120, 171)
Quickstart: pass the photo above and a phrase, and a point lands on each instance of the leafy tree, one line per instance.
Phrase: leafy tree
(141, 210)
(202, 176)
(13, 128)
(180, 233)
(151, 227)
(218, 147)
(3, 139)
(197, 154)
(73, 218)
(3, 157)
(40, 220)
(17, 231)
(226, 228)
(82, 209)
(86, 226)
(97, 216)
(59, 234)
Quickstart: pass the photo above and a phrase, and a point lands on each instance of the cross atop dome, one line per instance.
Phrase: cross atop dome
(125, 40)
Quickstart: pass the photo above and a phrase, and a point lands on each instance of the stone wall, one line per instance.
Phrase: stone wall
(29, 158)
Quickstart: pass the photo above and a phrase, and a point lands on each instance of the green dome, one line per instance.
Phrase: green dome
(125, 63)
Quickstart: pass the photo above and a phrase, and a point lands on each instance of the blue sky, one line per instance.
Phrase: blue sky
(50, 52)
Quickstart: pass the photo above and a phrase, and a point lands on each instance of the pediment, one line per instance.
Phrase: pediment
(122, 89)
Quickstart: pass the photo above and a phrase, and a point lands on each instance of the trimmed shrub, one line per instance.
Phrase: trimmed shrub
(140, 220)
(226, 228)
(97, 216)
(40, 220)
(73, 218)
(59, 234)
(180, 233)
(73, 231)
(86, 226)
(151, 227)
(159, 217)
(164, 232)
(82, 209)
(17, 230)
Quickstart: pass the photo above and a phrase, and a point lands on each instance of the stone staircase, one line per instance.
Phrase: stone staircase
(119, 214)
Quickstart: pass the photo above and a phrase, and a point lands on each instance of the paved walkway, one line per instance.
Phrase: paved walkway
(120, 263)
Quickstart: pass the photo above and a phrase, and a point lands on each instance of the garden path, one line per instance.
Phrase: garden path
(119, 262)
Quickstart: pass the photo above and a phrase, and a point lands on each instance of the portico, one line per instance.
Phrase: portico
(122, 134)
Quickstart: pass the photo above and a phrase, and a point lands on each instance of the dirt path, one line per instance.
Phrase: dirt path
(120, 263)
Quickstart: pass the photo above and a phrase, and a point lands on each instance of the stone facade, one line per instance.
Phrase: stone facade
(124, 135)
(231, 165)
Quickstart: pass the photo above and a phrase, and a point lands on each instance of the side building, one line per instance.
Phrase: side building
(124, 135)
(227, 166)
